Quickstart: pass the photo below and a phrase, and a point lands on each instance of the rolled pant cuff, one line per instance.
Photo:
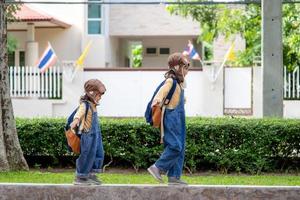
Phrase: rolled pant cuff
(80, 175)
(96, 171)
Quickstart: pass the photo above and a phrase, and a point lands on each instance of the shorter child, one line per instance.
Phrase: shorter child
(91, 155)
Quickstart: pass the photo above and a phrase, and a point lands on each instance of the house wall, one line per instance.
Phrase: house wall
(69, 43)
(148, 20)
(176, 44)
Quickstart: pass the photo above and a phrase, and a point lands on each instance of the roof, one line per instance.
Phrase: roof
(27, 14)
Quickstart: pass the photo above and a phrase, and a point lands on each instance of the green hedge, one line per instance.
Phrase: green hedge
(224, 144)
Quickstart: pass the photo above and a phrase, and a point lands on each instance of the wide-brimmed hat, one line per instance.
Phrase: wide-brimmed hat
(177, 59)
(93, 87)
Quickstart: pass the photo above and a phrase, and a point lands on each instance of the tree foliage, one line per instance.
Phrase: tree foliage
(137, 55)
(244, 20)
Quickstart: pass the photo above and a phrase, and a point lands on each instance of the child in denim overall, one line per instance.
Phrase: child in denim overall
(173, 124)
(91, 155)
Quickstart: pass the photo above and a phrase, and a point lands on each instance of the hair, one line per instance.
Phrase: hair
(85, 97)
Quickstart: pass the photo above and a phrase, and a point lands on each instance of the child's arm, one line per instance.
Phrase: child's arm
(78, 116)
(163, 92)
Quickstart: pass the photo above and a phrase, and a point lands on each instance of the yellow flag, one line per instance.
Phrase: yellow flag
(80, 60)
(231, 55)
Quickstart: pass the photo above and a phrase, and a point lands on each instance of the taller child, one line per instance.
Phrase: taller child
(173, 126)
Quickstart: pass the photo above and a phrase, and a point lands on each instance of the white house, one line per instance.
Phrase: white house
(113, 31)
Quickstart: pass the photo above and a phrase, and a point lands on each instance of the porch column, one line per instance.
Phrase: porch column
(32, 47)
(272, 58)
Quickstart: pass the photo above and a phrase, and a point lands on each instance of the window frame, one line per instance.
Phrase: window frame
(100, 20)
(151, 54)
(164, 54)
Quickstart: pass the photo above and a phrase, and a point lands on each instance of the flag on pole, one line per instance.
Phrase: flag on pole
(80, 60)
(191, 52)
(231, 55)
(47, 59)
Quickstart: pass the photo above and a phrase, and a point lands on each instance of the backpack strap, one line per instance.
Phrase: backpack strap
(171, 92)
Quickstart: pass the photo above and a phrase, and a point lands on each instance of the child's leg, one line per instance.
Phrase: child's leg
(97, 165)
(171, 153)
(177, 168)
(87, 155)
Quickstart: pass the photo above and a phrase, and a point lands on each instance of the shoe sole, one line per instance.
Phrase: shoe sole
(177, 184)
(152, 173)
(76, 183)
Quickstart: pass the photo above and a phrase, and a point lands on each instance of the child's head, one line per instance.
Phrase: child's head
(178, 66)
(93, 89)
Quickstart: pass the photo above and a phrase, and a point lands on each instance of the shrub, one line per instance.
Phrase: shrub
(224, 144)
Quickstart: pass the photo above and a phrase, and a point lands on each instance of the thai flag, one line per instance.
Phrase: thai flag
(48, 59)
(191, 52)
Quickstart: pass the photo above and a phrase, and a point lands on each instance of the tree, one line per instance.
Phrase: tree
(244, 20)
(11, 155)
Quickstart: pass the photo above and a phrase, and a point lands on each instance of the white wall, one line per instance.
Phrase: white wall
(238, 88)
(128, 93)
(257, 92)
(211, 103)
(291, 109)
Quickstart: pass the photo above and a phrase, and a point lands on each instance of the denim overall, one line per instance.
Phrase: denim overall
(171, 160)
(91, 155)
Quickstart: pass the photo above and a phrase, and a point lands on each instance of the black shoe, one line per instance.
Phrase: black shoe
(176, 181)
(154, 171)
(83, 181)
(94, 178)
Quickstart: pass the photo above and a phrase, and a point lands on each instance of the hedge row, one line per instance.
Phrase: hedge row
(225, 144)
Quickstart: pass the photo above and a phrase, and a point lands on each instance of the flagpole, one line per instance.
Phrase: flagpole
(222, 66)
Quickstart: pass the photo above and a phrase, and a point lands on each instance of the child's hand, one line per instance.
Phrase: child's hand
(74, 123)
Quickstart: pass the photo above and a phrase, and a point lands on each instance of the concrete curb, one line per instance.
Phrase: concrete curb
(18, 191)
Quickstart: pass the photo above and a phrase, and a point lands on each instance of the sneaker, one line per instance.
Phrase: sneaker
(83, 181)
(176, 181)
(154, 171)
(94, 178)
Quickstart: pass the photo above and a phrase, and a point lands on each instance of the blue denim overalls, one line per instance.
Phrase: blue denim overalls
(171, 160)
(91, 155)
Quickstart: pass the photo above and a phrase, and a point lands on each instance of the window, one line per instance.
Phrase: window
(22, 58)
(94, 21)
(164, 51)
(11, 59)
(151, 51)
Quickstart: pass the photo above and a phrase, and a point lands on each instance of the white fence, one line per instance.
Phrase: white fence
(291, 84)
(29, 82)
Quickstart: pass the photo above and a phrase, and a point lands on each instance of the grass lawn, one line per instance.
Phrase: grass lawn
(145, 178)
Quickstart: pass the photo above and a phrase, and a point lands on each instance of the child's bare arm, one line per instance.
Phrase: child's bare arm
(163, 92)
(78, 116)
